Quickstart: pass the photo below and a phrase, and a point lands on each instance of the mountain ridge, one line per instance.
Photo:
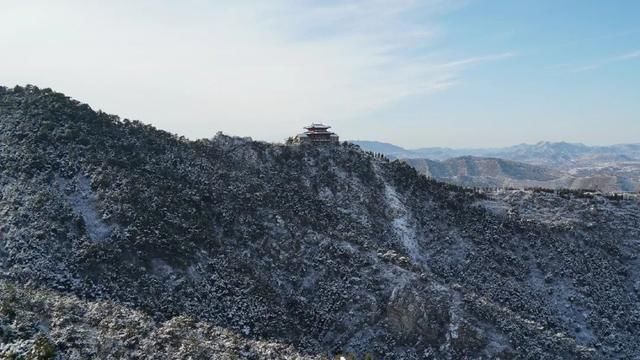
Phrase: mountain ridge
(508, 152)
(614, 168)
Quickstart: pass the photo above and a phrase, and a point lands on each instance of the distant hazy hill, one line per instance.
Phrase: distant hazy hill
(397, 152)
(382, 147)
(478, 171)
(567, 154)
(548, 153)
(545, 164)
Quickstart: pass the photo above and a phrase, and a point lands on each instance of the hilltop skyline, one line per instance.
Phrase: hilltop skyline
(459, 74)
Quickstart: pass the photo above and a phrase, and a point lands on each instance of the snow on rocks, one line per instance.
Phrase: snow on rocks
(84, 201)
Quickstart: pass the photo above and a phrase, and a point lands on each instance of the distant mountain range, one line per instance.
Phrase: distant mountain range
(543, 153)
(544, 164)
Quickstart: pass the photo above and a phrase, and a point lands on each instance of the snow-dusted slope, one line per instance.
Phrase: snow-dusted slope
(121, 241)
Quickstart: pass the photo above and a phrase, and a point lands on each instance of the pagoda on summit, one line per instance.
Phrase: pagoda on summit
(316, 134)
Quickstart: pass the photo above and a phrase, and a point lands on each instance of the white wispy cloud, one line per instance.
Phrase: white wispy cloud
(628, 56)
(609, 60)
(476, 60)
(244, 67)
(601, 37)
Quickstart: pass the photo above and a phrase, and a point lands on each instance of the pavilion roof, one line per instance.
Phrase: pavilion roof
(317, 126)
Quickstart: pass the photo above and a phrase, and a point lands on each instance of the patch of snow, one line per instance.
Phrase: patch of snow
(402, 225)
(574, 315)
(495, 207)
(83, 201)
(310, 280)
(497, 342)
(455, 314)
(536, 277)
(169, 276)
(325, 194)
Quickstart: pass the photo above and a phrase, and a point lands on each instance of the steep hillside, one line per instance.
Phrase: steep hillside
(118, 240)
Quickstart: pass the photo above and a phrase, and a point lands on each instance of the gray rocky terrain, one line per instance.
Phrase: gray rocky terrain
(118, 240)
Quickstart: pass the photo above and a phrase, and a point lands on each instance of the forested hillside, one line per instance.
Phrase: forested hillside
(118, 240)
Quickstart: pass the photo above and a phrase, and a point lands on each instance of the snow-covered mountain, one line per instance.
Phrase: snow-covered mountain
(562, 154)
(542, 153)
(574, 166)
(118, 240)
(487, 172)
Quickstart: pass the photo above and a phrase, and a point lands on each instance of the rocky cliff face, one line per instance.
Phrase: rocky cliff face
(118, 240)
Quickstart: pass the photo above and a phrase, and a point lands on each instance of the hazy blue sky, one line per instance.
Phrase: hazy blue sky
(415, 73)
